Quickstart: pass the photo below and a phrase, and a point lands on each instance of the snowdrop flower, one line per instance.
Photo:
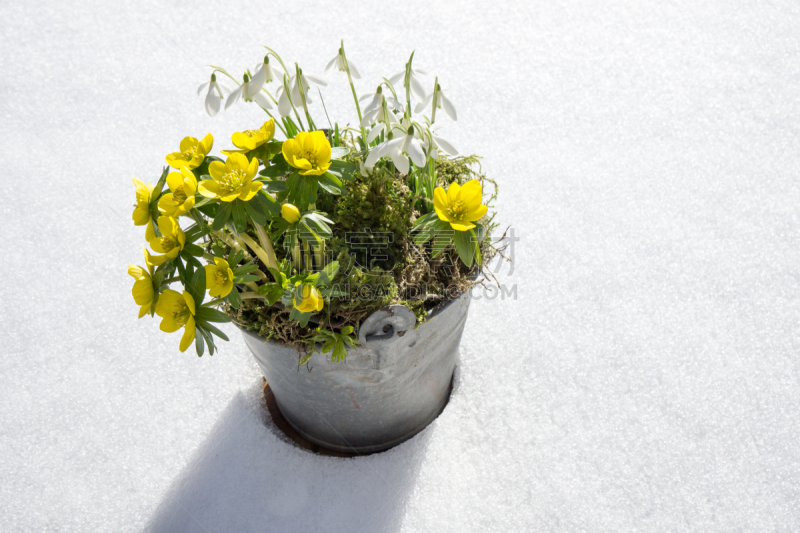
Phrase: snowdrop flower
(338, 63)
(265, 73)
(399, 150)
(439, 144)
(250, 91)
(442, 101)
(375, 106)
(287, 101)
(381, 125)
(214, 95)
(416, 86)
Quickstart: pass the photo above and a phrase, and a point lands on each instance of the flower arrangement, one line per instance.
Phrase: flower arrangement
(280, 235)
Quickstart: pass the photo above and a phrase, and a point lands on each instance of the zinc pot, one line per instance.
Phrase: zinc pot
(391, 386)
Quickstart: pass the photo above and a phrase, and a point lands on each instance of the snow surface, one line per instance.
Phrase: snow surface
(645, 379)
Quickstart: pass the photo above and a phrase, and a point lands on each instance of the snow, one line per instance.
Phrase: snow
(645, 378)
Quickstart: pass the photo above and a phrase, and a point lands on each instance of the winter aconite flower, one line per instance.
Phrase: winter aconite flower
(290, 213)
(141, 212)
(180, 201)
(232, 179)
(460, 205)
(143, 290)
(192, 152)
(171, 242)
(309, 152)
(312, 300)
(177, 311)
(251, 139)
(219, 278)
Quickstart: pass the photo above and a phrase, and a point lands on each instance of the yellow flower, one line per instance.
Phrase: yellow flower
(310, 152)
(183, 185)
(141, 212)
(460, 206)
(177, 311)
(172, 241)
(143, 290)
(312, 300)
(290, 213)
(219, 278)
(192, 152)
(232, 179)
(252, 139)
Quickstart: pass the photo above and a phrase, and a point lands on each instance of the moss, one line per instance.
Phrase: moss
(378, 211)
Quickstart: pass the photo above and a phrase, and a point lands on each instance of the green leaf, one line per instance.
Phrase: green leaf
(465, 246)
(209, 314)
(339, 352)
(235, 257)
(306, 357)
(215, 331)
(244, 269)
(274, 186)
(332, 184)
(443, 240)
(223, 215)
(207, 336)
(425, 220)
(238, 215)
(247, 278)
(198, 342)
(193, 249)
(203, 200)
(234, 298)
(254, 210)
(197, 286)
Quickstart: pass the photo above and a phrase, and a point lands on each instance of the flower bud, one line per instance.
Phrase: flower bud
(290, 213)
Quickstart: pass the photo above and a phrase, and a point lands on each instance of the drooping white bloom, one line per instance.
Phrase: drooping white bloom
(249, 91)
(265, 73)
(214, 95)
(373, 108)
(441, 144)
(381, 124)
(442, 101)
(338, 63)
(399, 151)
(417, 90)
(287, 101)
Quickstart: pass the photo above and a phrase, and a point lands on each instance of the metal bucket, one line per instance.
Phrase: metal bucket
(389, 388)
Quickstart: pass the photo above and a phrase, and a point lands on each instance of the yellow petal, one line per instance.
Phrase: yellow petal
(150, 232)
(206, 144)
(175, 180)
(189, 302)
(290, 213)
(462, 226)
(475, 214)
(211, 271)
(252, 168)
(217, 169)
(452, 193)
(144, 310)
(158, 260)
(269, 129)
(136, 271)
(440, 199)
(236, 162)
(168, 324)
(190, 330)
(167, 225)
(166, 205)
(166, 302)
(188, 142)
(471, 194)
(222, 264)
(243, 141)
(143, 291)
(141, 215)
(250, 190)
(209, 188)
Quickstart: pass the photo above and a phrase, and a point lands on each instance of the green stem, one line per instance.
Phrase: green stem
(299, 74)
(266, 244)
(258, 250)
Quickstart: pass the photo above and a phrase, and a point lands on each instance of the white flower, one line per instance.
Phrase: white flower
(441, 144)
(214, 95)
(338, 63)
(442, 101)
(417, 90)
(287, 101)
(265, 73)
(250, 91)
(375, 106)
(399, 150)
(380, 126)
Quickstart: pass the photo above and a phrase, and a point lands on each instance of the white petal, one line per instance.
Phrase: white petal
(319, 80)
(397, 77)
(434, 154)
(423, 103)
(212, 103)
(445, 145)
(374, 132)
(365, 96)
(420, 71)
(376, 102)
(417, 89)
(374, 155)
(284, 105)
(330, 65)
(448, 106)
(234, 96)
(200, 89)
(370, 117)
(415, 152)
(401, 162)
(262, 100)
(354, 70)
(259, 79)
(397, 106)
